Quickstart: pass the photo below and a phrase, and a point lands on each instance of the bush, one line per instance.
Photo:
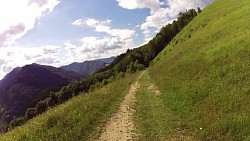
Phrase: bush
(41, 107)
(17, 122)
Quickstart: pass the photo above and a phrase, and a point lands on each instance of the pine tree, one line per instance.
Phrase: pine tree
(199, 10)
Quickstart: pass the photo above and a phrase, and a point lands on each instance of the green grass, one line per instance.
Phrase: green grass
(205, 79)
(77, 119)
(153, 119)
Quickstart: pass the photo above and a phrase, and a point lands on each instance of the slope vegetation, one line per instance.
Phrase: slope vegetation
(203, 74)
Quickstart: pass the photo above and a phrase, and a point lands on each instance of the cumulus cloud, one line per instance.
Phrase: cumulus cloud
(12, 57)
(47, 60)
(162, 12)
(11, 34)
(116, 41)
(51, 50)
(95, 47)
(18, 17)
(100, 45)
(40, 3)
(154, 5)
(103, 26)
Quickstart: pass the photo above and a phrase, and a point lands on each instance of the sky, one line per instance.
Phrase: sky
(59, 32)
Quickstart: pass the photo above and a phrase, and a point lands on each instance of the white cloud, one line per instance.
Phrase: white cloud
(11, 34)
(154, 5)
(17, 17)
(40, 3)
(95, 47)
(51, 50)
(11, 57)
(103, 26)
(162, 12)
(48, 60)
(116, 41)
(78, 22)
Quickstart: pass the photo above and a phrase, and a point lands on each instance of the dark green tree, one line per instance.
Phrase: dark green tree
(30, 113)
(41, 107)
(53, 99)
(17, 122)
(199, 10)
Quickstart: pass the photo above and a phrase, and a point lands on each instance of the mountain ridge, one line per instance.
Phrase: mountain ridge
(88, 67)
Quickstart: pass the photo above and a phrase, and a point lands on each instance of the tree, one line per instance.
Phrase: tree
(175, 26)
(199, 10)
(17, 122)
(30, 113)
(41, 107)
(53, 99)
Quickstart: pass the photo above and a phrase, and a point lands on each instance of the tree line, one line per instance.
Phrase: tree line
(129, 62)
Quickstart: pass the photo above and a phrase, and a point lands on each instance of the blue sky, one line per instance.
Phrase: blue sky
(59, 32)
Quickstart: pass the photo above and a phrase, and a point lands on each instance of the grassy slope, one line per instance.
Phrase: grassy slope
(151, 113)
(77, 119)
(205, 79)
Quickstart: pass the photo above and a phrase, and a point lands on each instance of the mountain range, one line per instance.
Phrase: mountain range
(24, 86)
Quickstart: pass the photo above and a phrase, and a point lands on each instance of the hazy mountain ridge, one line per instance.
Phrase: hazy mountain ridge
(85, 68)
(88, 67)
(106, 60)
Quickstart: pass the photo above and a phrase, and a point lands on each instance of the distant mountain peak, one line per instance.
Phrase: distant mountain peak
(88, 67)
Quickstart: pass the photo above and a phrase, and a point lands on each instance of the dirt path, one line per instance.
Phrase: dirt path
(121, 126)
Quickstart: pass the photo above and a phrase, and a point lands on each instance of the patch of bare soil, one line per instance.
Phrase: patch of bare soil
(152, 88)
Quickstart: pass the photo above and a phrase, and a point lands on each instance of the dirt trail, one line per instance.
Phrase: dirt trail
(121, 126)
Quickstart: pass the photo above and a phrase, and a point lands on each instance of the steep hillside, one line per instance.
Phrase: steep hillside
(86, 68)
(204, 73)
(5, 82)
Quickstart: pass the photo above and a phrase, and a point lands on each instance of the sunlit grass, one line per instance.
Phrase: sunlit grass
(205, 79)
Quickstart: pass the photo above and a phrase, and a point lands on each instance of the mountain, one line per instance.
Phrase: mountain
(106, 60)
(88, 67)
(25, 85)
(8, 78)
